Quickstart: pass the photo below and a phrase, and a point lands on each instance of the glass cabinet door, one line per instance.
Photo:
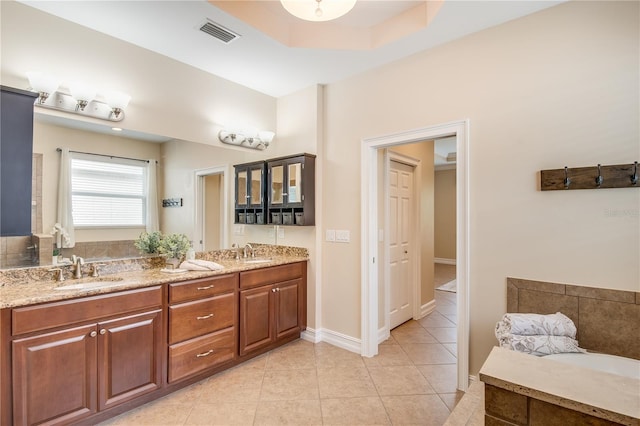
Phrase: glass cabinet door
(256, 187)
(277, 183)
(241, 188)
(294, 183)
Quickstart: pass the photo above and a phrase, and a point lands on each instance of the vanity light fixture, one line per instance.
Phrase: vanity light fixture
(318, 10)
(260, 140)
(81, 100)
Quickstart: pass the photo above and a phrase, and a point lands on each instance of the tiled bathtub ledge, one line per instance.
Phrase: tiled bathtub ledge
(523, 389)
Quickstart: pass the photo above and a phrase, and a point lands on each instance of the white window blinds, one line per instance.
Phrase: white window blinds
(108, 192)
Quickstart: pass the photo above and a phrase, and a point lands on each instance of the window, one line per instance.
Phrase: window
(108, 192)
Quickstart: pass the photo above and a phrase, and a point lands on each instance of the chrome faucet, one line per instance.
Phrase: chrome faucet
(78, 262)
(237, 247)
(248, 246)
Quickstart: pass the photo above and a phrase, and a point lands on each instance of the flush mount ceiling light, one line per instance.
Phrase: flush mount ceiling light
(318, 10)
(82, 99)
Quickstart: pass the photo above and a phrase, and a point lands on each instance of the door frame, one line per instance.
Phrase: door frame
(369, 234)
(416, 251)
(199, 206)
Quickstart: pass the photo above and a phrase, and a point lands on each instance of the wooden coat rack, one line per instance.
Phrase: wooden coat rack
(596, 177)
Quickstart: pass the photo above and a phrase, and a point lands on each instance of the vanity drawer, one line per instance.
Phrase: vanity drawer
(192, 319)
(198, 289)
(201, 353)
(274, 274)
(58, 314)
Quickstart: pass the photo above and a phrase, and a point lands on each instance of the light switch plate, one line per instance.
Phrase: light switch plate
(330, 235)
(343, 236)
(280, 232)
(238, 230)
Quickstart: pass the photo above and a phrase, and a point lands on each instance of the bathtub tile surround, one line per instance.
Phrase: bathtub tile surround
(608, 321)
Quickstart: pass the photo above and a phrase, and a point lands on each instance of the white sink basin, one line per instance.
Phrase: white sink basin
(88, 283)
(256, 260)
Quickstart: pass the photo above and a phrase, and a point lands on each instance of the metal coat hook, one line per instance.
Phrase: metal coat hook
(567, 181)
(599, 179)
(634, 176)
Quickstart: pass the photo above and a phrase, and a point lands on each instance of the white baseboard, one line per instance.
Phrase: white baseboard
(383, 334)
(443, 260)
(427, 308)
(334, 338)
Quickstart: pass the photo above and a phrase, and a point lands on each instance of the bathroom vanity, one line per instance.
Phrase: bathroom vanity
(82, 356)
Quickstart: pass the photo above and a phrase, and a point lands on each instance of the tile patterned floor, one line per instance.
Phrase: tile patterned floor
(411, 381)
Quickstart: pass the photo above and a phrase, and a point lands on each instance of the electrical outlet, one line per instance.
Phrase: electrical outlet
(330, 235)
(343, 236)
(280, 232)
(238, 230)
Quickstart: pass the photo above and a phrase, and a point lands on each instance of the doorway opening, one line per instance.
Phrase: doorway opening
(211, 209)
(370, 284)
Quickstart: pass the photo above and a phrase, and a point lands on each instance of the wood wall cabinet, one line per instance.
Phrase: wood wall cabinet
(279, 191)
(16, 158)
(272, 307)
(291, 186)
(80, 357)
(202, 325)
(250, 193)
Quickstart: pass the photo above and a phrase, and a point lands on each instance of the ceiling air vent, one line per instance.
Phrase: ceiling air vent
(218, 31)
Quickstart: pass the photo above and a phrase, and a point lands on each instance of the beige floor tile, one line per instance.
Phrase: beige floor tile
(447, 309)
(419, 335)
(306, 412)
(444, 334)
(329, 356)
(354, 411)
(285, 385)
(428, 353)
(399, 380)
(388, 355)
(407, 326)
(424, 410)
(155, 413)
(442, 377)
(452, 348)
(452, 317)
(435, 319)
(290, 357)
(345, 382)
(223, 413)
(389, 341)
(236, 385)
(451, 399)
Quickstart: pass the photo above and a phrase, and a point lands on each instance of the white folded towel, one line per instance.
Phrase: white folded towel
(556, 324)
(200, 265)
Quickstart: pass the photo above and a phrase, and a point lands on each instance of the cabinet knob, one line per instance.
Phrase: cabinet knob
(93, 334)
(204, 317)
(103, 331)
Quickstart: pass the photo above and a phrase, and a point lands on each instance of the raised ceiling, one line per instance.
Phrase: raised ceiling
(264, 59)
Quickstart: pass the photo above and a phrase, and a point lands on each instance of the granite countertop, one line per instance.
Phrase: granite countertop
(593, 392)
(33, 288)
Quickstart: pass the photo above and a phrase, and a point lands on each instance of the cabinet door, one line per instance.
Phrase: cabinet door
(287, 310)
(129, 357)
(256, 186)
(54, 377)
(256, 321)
(242, 196)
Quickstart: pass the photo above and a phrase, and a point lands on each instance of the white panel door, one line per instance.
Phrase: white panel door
(400, 243)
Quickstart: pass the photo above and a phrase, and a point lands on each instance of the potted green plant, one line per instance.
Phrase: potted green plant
(149, 242)
(174, 247)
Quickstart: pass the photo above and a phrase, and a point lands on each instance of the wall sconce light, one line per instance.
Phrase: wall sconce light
(82, 99)
(260, 141)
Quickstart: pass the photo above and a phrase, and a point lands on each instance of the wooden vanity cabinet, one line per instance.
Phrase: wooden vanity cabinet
(202, 325)
(272, 307)
(74, 358)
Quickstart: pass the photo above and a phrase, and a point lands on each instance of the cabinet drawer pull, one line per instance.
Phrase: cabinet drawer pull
(204, 317)
(103, 331)
(206, 288)
(207, 353)
(93, 334)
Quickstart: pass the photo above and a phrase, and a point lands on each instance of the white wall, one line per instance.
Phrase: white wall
(556, 88)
